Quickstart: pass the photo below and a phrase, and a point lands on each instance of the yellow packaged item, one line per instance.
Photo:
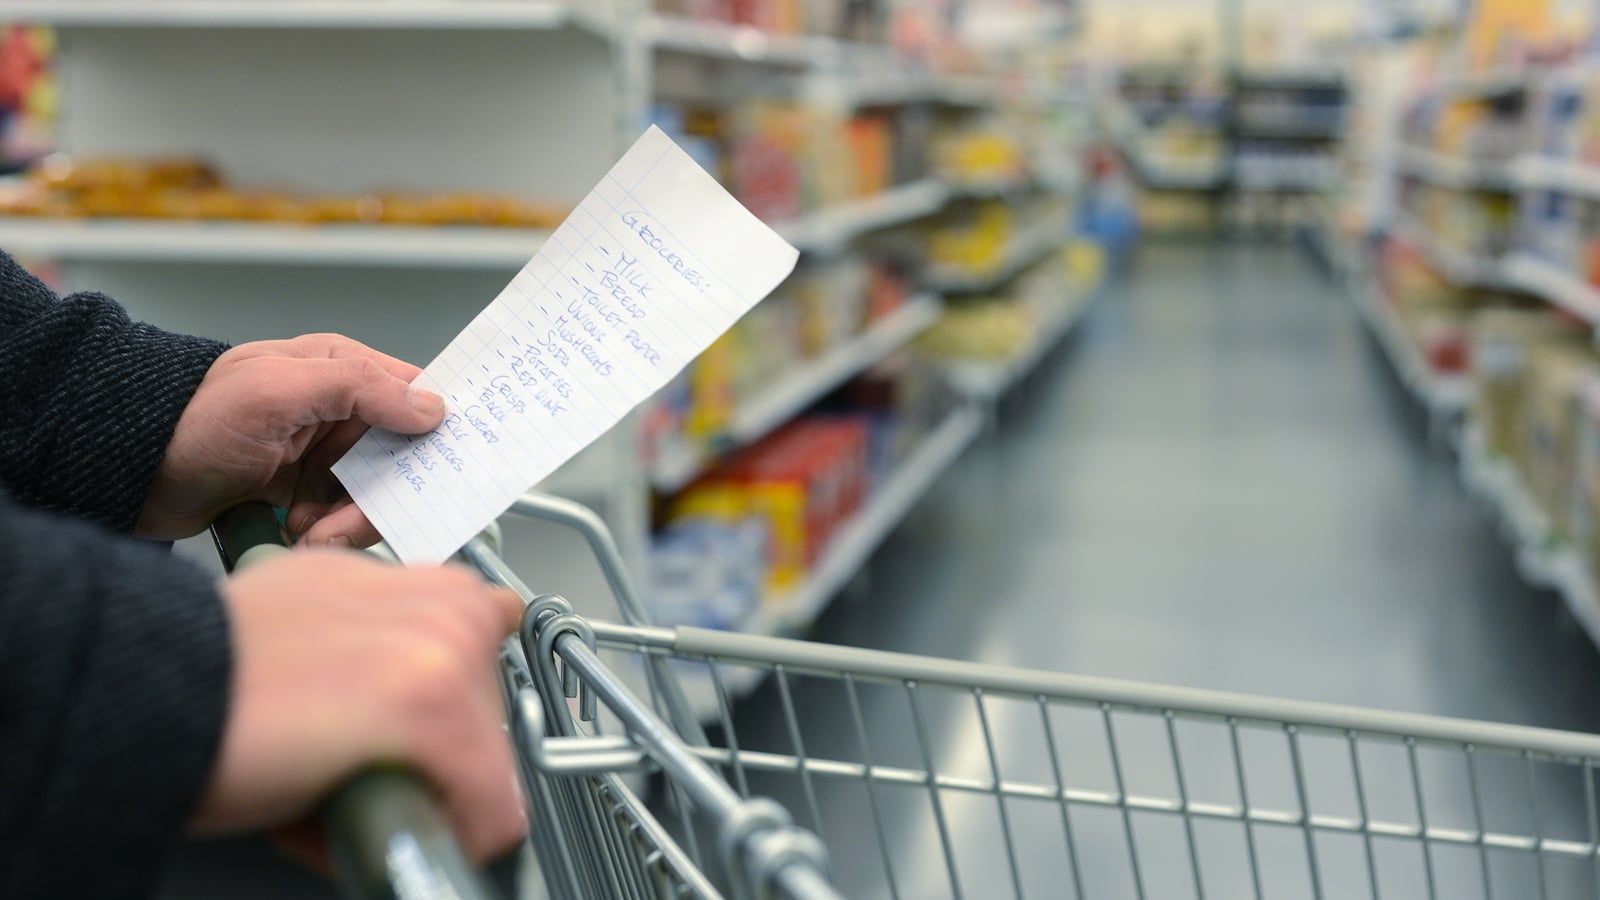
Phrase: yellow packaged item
(711, 390)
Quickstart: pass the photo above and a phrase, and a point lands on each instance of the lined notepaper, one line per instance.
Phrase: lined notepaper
(655, 263)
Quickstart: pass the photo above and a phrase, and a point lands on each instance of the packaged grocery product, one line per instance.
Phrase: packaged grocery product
(29, 198)
(1443, 335)
(764, 169)
(696, 131)
(711, 390)
(980, 329)
(1556, 375)
(184, 188)
(1502, 31)
(62, 173)
(1502, 342)
(272, 206)
(974, 239)
(831, 173)
(107, 202)
(911, 133)
(662, 434)
(870, 151)
(889, 285)
(365, 209)
(707, 572)
(983, 156)
(832, 300)
(776, 16)
(1583, 517)
(800, 484)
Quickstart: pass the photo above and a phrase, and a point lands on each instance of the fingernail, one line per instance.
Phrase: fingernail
(305, 521)
(425, 401)
(342, 541)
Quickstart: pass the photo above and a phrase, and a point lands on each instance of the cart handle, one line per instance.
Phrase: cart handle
(387, 835)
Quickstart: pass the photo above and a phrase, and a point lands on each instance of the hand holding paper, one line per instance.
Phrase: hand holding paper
(655, 263)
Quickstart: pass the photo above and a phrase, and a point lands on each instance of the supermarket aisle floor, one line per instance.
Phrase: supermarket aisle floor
(1217, 483)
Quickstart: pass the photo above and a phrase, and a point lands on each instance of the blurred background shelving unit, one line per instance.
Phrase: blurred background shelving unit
(1228, 146)
(963, 219)
(1483, 291)
(324, 175)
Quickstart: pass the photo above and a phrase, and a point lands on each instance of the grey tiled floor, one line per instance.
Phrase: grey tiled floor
(1217, 483)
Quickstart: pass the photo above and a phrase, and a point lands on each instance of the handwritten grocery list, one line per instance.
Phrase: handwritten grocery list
(654, 264)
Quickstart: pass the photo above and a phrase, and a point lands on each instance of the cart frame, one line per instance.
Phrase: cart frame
(595, 838)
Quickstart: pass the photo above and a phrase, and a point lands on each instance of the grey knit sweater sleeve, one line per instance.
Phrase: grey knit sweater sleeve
(114, 656)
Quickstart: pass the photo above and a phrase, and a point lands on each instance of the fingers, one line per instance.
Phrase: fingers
(485, 804)
(327, 451)
(356, 368)
(317, 493)
(463, 748)
(486, 807)
(402, 665)
(490, 613)
(337, 346)
(508, 608)
(332, 390)
(341, 523)
(320, 393)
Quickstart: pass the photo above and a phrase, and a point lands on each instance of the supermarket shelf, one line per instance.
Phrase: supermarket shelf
(1325, 237)
(1289, 78)
(1245, 180)
(395, 14)
(1444, 396)
(1562, 176)
(1452, 172)
(854, 543)
(1124, 129)
(742, 43)
(1456, 266)
(831, 229)
(1289, 128)
(1154, 178)
(804, 385)
(987, 382)
(1543, 557)
(247, 242)
(1028, 249)
(390, 245)
(1549, 281)
(1065, 183)
(986, 187)
(897, 87)
(721, 41)
(953, 90)
(1489, 84)
(1153, 175)
(787, 398)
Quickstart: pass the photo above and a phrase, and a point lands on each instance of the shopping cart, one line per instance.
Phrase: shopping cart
(945, 778)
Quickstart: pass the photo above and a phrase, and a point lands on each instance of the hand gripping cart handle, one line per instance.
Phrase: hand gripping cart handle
(380, 811)
(594, 837)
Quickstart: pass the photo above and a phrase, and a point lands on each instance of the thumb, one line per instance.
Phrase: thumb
(359, 388)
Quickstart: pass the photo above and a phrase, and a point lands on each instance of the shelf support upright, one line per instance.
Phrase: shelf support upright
(632, 69)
